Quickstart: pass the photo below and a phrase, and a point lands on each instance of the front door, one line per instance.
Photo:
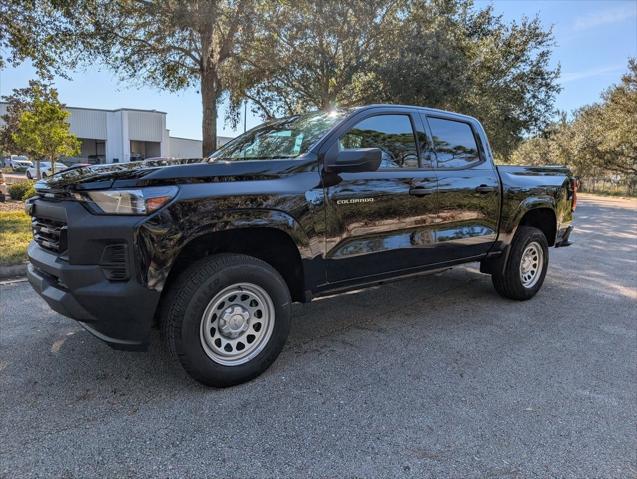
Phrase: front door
(381, 222)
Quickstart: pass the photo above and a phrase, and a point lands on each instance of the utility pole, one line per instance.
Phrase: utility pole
(245, 114)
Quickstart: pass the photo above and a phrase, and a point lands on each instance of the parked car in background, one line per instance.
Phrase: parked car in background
(45, 169)
(20, 163)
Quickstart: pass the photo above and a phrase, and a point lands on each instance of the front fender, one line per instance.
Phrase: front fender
(264, 218)
(160, 240)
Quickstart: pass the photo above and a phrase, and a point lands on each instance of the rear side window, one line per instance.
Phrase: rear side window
(393, 134)
(454, 143)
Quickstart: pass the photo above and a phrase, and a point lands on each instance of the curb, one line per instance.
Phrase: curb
(13, 271)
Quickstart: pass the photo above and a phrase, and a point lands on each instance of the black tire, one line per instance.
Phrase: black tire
(508, 283)
(189, 298)
(29, 175)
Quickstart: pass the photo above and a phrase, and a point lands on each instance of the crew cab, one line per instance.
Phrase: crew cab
(213, 251)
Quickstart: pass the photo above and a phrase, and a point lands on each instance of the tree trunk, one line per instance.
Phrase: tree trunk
(37, 170)
(209, 97)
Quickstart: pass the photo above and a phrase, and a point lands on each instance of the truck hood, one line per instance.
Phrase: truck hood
(165, 171)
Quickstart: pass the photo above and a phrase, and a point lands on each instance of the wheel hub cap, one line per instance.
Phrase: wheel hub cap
(531, 264)
(234, 321)
(237, 324)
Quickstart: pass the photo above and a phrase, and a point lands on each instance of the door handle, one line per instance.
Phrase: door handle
(485, 189)
(420, 191)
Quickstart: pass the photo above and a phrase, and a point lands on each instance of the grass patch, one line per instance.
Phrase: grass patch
(15, 235)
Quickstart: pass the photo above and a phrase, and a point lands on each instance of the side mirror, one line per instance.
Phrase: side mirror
(353, 161)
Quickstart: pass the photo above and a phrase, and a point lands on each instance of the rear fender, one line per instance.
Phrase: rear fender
(510, 227)
(531, 203)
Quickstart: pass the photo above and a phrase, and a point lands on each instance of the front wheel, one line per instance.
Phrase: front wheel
(226, 318)
(526, 268)
(29, 175)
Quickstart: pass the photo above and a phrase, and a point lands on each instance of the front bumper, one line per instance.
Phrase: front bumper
(120, 314)
(75, 284)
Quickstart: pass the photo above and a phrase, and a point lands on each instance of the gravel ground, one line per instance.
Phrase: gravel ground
(429, 377)
(11, 205)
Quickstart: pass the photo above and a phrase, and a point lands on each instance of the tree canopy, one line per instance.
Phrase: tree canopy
(168, 44)
(311, 55)
(600, 138)
(438, 53)
(39, 31)
(288, 56)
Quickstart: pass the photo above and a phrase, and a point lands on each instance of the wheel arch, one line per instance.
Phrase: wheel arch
(538, 212)
(542, 218)
(277, 246)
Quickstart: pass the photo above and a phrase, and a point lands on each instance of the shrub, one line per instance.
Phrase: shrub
(29, 193)
(18, 190)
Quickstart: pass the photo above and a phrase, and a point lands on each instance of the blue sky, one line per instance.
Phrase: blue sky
(594, 40)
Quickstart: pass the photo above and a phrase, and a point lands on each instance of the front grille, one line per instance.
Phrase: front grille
(49, 234)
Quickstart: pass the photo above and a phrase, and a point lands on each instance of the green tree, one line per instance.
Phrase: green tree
(17, 102)
(42, 130)
(611, 127)
(169, 44)
(599, 141)
(448, 54)
(308, 55)
(438, 53)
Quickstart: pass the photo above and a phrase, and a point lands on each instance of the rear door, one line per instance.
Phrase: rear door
(380, 222)
(468, 194)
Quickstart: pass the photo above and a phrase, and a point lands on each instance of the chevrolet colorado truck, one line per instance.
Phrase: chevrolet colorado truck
(213, 251)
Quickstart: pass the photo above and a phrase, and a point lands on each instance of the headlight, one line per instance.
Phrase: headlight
(140, 201)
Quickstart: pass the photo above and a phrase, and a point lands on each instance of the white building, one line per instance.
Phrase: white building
(126, 134)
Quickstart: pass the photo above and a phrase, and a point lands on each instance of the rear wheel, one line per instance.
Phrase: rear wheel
(29, 175)
(226, 318)
(526, 267)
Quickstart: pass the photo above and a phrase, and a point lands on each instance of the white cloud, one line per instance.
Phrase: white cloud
(606, 17)
(593, 72)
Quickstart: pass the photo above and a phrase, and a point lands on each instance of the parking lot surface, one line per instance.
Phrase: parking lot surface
(429, 377)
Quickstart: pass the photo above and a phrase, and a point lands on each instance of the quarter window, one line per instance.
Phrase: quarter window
(454, 143)
(393, 134)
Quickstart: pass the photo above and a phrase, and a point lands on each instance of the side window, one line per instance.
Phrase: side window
(454, 143)
(393, 134)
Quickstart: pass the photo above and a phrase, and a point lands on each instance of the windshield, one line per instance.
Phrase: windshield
(284, 138)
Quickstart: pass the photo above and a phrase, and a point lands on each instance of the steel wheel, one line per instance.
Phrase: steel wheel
(531, 264)
(237, 324)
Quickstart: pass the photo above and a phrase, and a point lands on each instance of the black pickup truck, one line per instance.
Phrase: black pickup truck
(212, 251)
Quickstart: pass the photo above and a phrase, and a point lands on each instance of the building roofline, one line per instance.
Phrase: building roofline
(184, 138)
(104, 109)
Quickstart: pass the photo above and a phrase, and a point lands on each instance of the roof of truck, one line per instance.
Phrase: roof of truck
(425, 109)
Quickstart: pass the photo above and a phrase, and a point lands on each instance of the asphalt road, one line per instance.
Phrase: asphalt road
(430, 377)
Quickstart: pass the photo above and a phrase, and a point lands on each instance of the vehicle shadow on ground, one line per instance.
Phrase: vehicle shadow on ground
(87, 360)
